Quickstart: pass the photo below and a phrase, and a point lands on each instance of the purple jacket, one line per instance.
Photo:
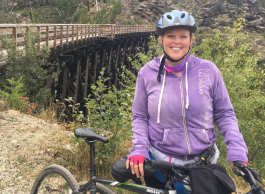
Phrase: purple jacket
(177, 116)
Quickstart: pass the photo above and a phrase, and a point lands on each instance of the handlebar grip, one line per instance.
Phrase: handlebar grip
(260, 192)
(159, 165)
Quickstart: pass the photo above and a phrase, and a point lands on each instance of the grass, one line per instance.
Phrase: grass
(59, 144)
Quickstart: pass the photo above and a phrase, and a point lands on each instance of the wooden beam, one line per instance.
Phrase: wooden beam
(109, 64)
(47, 36)
(116, 65)
(67, 37)
(14, 36)
(87, 73)
(68, 60)
(61, 39)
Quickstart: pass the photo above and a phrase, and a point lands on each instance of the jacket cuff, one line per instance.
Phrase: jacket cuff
(237, 155)
(142, 152)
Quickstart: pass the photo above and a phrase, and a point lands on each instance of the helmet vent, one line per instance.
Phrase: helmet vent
(169, 17)
(182, 15)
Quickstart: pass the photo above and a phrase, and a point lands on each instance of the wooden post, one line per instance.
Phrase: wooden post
(54, 39)
(61, 39)
(95, 66)
(130, 53)
(89, 31)
(38, 31)
(112, 32)
(67, 37)
(77, 79)
(73, 35)
(123, 56)
(116, 65)
(47, 36)
(65, 82)
(82, 35)
(14, 36)
(87, 73)
(103, 62)
(109, 64)
(99, 32)
(85, 34)
(77, 31)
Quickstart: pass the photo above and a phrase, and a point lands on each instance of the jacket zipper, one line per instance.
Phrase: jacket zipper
(183, 113)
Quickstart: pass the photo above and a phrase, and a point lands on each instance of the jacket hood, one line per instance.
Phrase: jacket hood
(192, 61)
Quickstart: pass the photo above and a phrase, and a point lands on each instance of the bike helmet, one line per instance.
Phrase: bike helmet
(170, 21)
(175, 19)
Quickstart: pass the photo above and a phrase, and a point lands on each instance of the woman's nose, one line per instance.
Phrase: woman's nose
(176, 40)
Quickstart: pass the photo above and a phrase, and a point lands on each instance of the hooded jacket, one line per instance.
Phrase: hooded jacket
(177, 115)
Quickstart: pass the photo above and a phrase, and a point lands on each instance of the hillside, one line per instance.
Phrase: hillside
(210, 13)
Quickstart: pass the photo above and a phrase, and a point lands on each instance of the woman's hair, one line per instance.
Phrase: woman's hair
(159, 40)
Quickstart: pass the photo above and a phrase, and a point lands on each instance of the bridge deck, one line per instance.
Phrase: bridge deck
(63, 38)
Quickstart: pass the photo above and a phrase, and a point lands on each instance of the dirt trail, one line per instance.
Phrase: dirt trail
(27, 145)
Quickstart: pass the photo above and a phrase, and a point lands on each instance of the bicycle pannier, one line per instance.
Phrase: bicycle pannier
(211, 179)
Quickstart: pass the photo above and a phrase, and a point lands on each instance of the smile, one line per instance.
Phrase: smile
(176, 49)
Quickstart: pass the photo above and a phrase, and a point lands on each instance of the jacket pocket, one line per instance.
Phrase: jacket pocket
(199, 140)
(174, 141)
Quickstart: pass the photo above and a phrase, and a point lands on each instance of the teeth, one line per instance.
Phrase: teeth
(176, 49)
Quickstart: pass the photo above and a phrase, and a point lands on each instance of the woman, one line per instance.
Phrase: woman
(178, 99)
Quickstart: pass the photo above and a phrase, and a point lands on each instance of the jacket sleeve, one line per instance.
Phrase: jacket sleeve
(225, 118)
(140, 119)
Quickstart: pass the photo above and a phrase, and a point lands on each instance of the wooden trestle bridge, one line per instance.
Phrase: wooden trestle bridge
(85, 50)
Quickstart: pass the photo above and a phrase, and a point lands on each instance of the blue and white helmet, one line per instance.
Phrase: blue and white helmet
(175, 19)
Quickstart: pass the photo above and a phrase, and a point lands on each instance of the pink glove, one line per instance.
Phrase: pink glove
(245, 163)
(137, 159)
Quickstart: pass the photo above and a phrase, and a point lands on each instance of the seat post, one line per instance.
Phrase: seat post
(92, 165)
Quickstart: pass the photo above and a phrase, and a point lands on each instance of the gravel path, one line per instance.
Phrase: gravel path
(27, 145)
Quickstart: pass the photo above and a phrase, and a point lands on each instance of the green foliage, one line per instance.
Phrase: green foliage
(141, 58)
(244, 80)
(13, 93)
(109, 114)
(26, 62)
(81, 16)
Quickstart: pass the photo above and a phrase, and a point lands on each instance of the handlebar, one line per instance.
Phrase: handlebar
(250, 176)
(200, 160)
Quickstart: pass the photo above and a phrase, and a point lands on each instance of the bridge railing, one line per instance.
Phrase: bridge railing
(64, 35)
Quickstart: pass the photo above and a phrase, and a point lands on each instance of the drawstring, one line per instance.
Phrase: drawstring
(162, 90)
(187, 88)
(160, 98)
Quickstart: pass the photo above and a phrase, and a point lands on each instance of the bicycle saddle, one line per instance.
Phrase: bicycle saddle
(90, 134)
(121, 174)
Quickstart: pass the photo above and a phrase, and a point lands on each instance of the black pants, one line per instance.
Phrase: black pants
(151, 181)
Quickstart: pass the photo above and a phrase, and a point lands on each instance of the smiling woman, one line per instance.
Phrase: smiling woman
(178, 99)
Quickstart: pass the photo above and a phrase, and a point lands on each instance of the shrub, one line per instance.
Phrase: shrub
(14, 93)
(33, 66)
(244, 80)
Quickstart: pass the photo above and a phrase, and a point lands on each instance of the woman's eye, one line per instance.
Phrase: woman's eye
(170, 36)
(183, 36)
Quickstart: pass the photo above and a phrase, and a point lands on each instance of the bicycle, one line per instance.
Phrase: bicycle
(57, 179)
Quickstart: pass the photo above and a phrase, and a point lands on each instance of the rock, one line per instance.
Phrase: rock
(215, 13)
(224, 8)
(255, 23)
(261, 28)
(251, 17)
(234, 1)
(260, 48)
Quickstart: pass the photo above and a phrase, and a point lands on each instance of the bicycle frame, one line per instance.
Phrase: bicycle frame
(92, 138)
(93, 179)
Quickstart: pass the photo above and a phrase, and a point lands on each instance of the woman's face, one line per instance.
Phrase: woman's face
(176, 43)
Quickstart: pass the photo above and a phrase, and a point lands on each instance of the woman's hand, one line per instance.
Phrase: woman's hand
(137, 164)
(234, 166)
